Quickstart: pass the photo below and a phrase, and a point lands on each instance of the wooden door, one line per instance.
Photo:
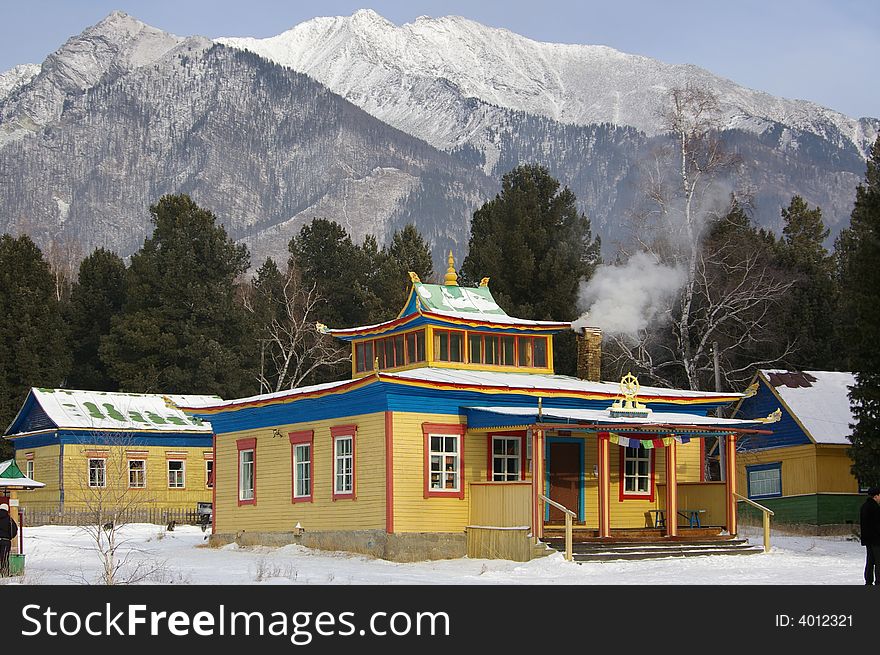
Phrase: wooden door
(564, 468)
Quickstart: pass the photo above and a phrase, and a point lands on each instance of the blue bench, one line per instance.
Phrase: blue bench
(691, 515)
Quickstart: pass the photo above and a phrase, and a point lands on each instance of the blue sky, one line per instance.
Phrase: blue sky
(820, 50)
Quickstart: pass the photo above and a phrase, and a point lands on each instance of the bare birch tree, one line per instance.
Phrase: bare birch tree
(728, 290)
(291, 346)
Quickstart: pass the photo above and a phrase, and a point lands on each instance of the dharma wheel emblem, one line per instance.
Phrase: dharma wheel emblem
(629, 405)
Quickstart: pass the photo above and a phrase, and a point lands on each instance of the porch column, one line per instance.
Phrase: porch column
(671, 491)
(13, 513)
(730, 477)
(604, 485)
(538, 483)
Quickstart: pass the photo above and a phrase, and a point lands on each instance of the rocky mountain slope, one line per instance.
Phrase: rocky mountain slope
(372, 125)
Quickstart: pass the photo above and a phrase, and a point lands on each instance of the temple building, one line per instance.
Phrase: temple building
(455, 436)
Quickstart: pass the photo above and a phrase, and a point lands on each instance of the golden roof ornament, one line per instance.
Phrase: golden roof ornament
(451, 277)
(414, 278)
(629, 406)
(751, 390)
(484, 282)
(774, 417)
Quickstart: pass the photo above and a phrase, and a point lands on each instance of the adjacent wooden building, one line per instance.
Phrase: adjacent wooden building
(801, 471)
(90, 447)
(455, 424)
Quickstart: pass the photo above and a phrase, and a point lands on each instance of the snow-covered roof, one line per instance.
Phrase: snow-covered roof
(493, 381)
(603, 417)
(267, 397)
(452, 302)
(818, 399)
(11, 476)
(98, 410)
(543, 382)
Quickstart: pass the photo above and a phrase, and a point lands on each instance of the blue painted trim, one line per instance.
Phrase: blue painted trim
(582, 493)
(109, 439)
(763, 467)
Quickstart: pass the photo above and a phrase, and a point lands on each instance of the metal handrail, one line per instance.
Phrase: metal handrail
(569, 518)
(767, 513)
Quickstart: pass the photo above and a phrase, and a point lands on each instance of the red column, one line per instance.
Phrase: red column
(538, 483)
(730, 477)
(671, 491)
(604, 486)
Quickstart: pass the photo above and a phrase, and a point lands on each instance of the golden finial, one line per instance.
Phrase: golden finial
(629, 405)
(415, 278)
(484, 282)
(451, 277)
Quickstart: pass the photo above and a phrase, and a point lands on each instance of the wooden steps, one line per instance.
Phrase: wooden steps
(616, 549)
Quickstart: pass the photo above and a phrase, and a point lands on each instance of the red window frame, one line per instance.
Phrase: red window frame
(456, 429)
(296, 439)
(337, 432)
(245, 444)
(629, 495)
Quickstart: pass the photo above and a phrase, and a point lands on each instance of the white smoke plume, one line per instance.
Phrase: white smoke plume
(622, 300)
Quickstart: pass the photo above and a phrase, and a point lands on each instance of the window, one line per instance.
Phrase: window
(301, 466)
(506, 458)
(364, 356)
(176, 474)
(97, 472)
(443, 460)
(637, 473)
(137, 473)
(247, 471)
(448, 345)
(209, 473)
(343, 461)
(415, 347)
(764, 480)
(508, 350)
(29, 469)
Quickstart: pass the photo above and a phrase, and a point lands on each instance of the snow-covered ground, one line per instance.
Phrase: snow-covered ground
(63, 555)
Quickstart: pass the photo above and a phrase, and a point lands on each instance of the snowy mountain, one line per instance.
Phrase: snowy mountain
(124, 113)
(404, 124)
(392, 71)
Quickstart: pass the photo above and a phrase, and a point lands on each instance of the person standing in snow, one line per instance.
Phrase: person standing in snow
(8, 530)
(870, 529)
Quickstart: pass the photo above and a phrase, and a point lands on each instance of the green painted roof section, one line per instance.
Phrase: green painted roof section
(11, 470)
(458, 300)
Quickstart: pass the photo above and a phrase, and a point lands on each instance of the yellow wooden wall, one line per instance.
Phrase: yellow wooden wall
(833, 473)
(274, 511)
(799, 471)
(412, 511)
(45, 471)
(156, 493)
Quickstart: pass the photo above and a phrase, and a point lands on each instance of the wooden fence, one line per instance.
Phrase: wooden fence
(156, 515)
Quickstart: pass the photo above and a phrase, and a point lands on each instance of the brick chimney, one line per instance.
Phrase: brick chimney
(589, 354)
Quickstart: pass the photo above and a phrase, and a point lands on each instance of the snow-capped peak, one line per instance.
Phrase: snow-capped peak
(372, 62)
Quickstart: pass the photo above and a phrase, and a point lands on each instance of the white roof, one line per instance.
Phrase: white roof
(264, 396)
(538, 381)
(819, 400)
(480, 378)
(553, 414)
(99, 410)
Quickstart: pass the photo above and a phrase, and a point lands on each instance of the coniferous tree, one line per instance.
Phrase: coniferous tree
(407, 252)
(536, 248)
(181, 329)
(325, 256)
(97, 296)
(33, 337)
(808, 310)
(858, 252)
